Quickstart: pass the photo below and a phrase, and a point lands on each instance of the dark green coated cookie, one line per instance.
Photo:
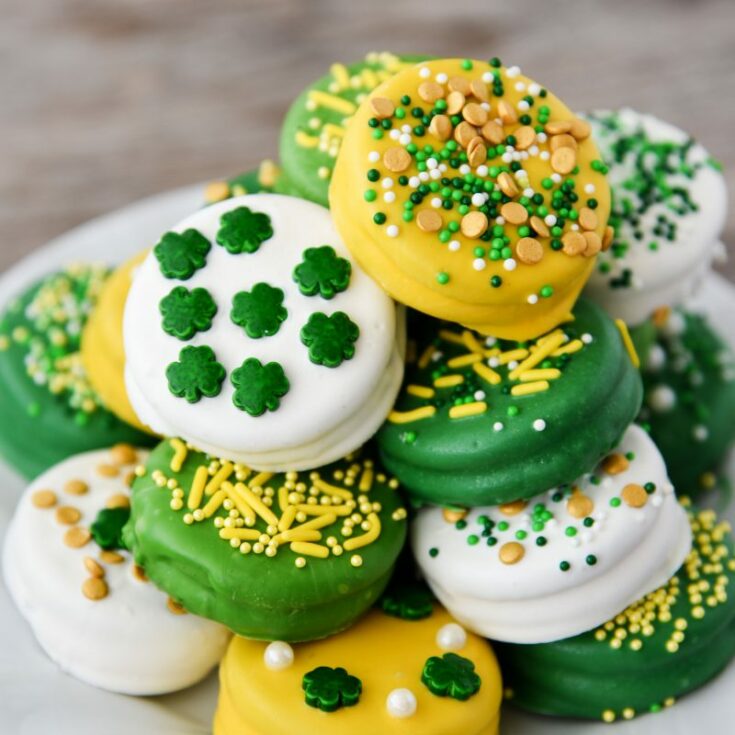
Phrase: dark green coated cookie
(689, 403)
(672, 641)
(291, 557)
(312, 130)
(481, 421)
(48, 409)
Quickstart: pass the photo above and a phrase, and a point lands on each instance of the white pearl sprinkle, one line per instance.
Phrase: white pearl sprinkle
(523, 106)
(405, 139)
(451, 637)
(278, 656)
(394, 134)
(589, 188)
(454, 245)
(662, 398)
(487, 77)
(401, 703)
(482, 170)
(490, 341)
(539, 425)
(544, 155)
(442, 78)
(436, 202)
(586, 338)
(435, 173)
(464, 169)
(498, 426)
(479, 264)
(391, 230)
(373, 156)
(532, 299)
(556, 178)
(550, 220)
(432, 163)
(513, 364)
(414, 182)
(700, 433)
(423, 176)
(534, 88)
(387, 182)
(424, 72)
(656, 359)
(493, 362)
(509, 264)
(405, 128)
(478, 199)
(479, 395)
(512, 71)
(542, 137)
(389, 197)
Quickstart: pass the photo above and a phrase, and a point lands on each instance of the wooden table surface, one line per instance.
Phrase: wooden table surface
(106, 102)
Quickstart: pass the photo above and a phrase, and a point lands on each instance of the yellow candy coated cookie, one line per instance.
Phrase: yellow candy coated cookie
(486, 206)
(103, 354)
(262, 690)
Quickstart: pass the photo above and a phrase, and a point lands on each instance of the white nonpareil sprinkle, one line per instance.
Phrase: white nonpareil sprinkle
(389, 197)
(498, 426)
(394, 134)
(512, 71)
(451, 637)
(414, 182)
(487, 77)
(700, 433)
(523, 106)
(662, 398)
(391, 230)
(405, 139)
(534, 88)
(278, 656)
(436, 202)
(509, 264)
(424, 72)
(373, 156)
(532, 299)
(539, 425)
(589, 188)
(479, 395)
(479, 264)
(550, 220)
(586, 338)
(441, 77)
(482, 170)
(454, 245)
(387, 182)
(401, 703)
(544, 155)
(478, 199)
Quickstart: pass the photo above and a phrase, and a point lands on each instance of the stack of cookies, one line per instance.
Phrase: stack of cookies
(388, 432)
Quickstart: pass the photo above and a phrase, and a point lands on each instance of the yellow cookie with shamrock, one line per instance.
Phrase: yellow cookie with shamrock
(471, 193)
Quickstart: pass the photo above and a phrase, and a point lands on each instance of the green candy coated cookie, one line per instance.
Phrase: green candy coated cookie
(313, 127)
(643, 659)
(481, 421)
(689, 404)
(48, 409)
(310, 580)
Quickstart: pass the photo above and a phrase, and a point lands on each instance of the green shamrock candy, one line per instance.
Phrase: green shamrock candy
(329, 689)
(260, 311)
(322, 272)
(107, 528)
(187, 312)
(451, 676)
(196, 374)
(330, 339)
(243, 231)
(259, 387)
(180, 255)
(408, 600)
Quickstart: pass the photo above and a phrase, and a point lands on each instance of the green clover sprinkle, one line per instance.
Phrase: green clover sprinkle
(259, 387)
(107, 528)
(181, 254)
(260, 311)
(330, 339)
(243, 231)
(187, 312)
(329, 689)
(451, 676)
(322, 272)
(196, 374)
(408, 601)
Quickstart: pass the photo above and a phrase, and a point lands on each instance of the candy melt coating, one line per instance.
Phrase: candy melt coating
(114, 631)
(386, 654)
(328, 411)
(495, 576)
(437, 270)
(670, 208)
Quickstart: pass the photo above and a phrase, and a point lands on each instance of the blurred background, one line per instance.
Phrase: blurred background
(105, 102)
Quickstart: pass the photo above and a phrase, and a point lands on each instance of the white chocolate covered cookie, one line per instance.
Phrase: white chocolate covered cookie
(565, 561)
(91, 608)
(252, 333)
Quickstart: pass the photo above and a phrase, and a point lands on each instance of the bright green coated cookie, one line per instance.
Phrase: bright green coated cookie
(311, 579)
(645, 658)
(48, 409)
(312, 131)
(689, 383)
(481, 421)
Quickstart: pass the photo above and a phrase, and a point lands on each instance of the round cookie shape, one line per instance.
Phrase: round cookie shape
(49, 407)
(303, 357)
(563, 562)
(666, 644)
(481, 421)
(384, 674)
(91, 608)
(291, 557)
(669, 209)
(314, 126)
(471, 193)
(689, 404)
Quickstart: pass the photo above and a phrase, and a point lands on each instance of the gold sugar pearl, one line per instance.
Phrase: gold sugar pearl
(108, 470)
(513, 508)
(615, 463)
(382, 107)
(125, 453)
(441, 127)
(593, 244)
(461, 85)
(68, 515)
(431, 92)
(563, 160)
(95, 588)
(514, 213)
(563, 140)
(111, 557)
(474, 224)
(451, 515)
(493, 133)
(511, 552)
(44, 499)
(76, 487)
(139, 573)
(508, 185)
(216, 191)
(580, 505)
(93, 567)
(397, 159)
(573, 243)
(118, 500)
(587, 218)
(77, 537)
(175, 607)
(428, 220)
(634, 495)
(529, 250)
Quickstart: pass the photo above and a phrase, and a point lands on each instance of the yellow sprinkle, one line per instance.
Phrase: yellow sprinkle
(543, 374)
(268, 173)
(608, 716)
(463, 360)
(240, 503)
(370, 78)
(426, 356)
(448, 381)
(257, 504)
(298, 534)
(356, 560)
(526, 389)
(339, 492)
(366, 481)
(357, 542)
(467, 409)
(287, 519)
(628, 342)
(309, 549)
(222, 474)
(319, 522)
(341, 75)
(570, 348)
(260, 479)
(332, 102)
(505, 357)
(214, 503)
(320, 510)
(543, 350)
(406, 417)
(180, 452)
(197, 488)
(283, 499)
(306, 141)
(448, 336)
(487, 373)
(420, 391)
(244, 534)
(470, 342)
(333, 131)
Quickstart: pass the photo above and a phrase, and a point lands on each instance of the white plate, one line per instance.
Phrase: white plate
(37, 699)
